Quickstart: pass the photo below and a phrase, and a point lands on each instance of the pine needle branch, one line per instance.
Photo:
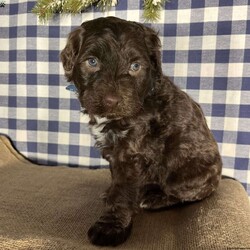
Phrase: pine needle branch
(152, 9)
(46, 9)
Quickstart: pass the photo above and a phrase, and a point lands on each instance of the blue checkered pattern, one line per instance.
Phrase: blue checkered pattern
(206, 51)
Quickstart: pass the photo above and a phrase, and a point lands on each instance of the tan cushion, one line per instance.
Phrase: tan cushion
(53, 207)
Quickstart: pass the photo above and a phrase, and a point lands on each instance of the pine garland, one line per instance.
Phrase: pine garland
(46, 9)
(152, 9)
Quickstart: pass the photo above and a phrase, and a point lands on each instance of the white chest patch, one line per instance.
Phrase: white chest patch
(97, 129)
(101, 135)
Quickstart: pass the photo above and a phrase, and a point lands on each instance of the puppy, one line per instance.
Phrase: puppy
(155, 137)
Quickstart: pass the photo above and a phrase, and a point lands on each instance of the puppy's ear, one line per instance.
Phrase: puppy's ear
(153, 44)
(70, 53)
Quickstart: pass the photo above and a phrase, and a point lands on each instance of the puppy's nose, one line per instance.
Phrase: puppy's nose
(111, 100)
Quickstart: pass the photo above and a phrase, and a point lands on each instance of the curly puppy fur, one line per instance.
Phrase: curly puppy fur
(154, 135)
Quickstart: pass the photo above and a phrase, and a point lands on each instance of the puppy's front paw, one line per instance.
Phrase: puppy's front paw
(108, 232)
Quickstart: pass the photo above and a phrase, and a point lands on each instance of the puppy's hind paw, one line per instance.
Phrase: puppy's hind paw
(157, 202)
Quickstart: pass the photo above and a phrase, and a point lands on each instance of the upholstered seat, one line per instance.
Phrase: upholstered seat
(53, 207)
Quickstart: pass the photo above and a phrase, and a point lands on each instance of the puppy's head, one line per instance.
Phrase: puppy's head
(114, 64)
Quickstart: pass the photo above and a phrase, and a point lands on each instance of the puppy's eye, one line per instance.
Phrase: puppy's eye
(135, 66)
(92, 62)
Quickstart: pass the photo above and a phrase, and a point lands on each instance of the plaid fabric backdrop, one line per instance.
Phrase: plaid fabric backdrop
(206, 51)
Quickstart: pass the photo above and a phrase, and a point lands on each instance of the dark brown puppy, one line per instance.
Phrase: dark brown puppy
(155, 136)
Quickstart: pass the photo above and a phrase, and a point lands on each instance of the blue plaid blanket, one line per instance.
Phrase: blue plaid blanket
(205, 50)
